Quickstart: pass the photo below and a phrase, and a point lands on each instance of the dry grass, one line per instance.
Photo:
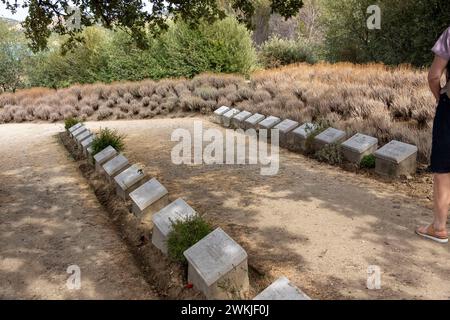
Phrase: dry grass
(371, 99)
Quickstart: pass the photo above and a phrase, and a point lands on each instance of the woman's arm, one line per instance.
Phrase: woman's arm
(434, 76)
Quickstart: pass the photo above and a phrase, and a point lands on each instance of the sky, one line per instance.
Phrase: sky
(20, 14)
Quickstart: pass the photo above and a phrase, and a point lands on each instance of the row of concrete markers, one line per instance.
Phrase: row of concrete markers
(217, 265)
(394, 159)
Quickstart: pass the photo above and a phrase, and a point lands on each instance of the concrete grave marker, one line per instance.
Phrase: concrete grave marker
(78, 131)
(282, 289)
(217, 116)
(269, 122)
(396, 158)
(297, 137)
(358, 146)
(87, 143)
(178, 210)
(226, 118)
(284, 128)
(75, 127)
(79, 138)
(217, 266)
(115, 166)
(128, 180)
(104, 156)
(90, 158)
(148, 199)
(252, 121)
(238, 120)
(329, 136)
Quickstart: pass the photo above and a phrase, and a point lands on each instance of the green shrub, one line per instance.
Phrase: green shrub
(184, 235)
(70, 122)
(276, 52)
(107, 137)
(331, 154)
(368, 162)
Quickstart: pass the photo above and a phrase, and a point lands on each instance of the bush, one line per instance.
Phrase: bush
(330, 154)
(184, 235)
(105, 138)
(368, 162)
(70, 122)
(276, 52)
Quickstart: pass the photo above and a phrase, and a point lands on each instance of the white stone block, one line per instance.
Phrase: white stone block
(75, 127)
(79, 138)
(252, 121)
(217, 266)
(238, 120)
(329, 136)
(115, 166)
(178, 210)
(217, 116)
(284, 128)
(128, 180)
(396, 158)
(87, 143)
(104, 156)
(226, 118)
(78, 131)
(297, 137)
(358, 146)
(282, 289)
(269, 122)
(148, 199)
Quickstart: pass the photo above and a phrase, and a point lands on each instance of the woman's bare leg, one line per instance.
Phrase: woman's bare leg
(441, 201)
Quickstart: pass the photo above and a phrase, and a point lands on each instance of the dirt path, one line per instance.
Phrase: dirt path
(50, 219)
(318, 225)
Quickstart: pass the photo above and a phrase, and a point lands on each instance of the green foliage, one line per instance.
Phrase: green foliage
(320, 126)
(331, 154)
(70, 122)
(184, 235)
(276, 52)
(107, 137)
(368, 162)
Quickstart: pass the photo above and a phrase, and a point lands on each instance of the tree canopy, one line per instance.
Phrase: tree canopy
(135, 16)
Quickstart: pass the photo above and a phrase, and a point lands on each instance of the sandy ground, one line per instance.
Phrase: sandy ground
(319, 225)
(50, 219)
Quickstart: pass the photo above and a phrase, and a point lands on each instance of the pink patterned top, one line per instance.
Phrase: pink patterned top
(442, 49)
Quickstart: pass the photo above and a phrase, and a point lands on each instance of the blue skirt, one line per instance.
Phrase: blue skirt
(440, 152)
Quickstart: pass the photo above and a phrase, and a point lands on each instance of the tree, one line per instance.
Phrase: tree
(45, 16)
(13, 51)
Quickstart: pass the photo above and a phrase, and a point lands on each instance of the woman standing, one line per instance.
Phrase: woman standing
(440, 154)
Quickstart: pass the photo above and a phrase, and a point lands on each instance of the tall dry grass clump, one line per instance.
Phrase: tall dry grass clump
(388, 103)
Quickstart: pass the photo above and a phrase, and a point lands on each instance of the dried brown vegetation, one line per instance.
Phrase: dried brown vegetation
(389, 103)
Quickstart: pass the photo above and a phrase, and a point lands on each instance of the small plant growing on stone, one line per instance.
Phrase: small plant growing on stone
(320, 126)
(368, 162)
(107, 137)
(184, 235)
(70, 122)
(331, 154)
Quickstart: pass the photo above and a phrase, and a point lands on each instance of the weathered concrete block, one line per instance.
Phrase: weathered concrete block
(78, 131)
(252, 121)
(217, 266)
(358, 146)
(238, 120)
(148, 199)
(104, 156)
(269, 122)
(329, 136)
(115, 166)
(79, 138)
(395, 159)
(226, 118)
(217, 115)
(282, 289)
(284, 128)
(75, 127)
(90, 158)
(128, 180)
(87, 143)
(297, 137)
(178, 210)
